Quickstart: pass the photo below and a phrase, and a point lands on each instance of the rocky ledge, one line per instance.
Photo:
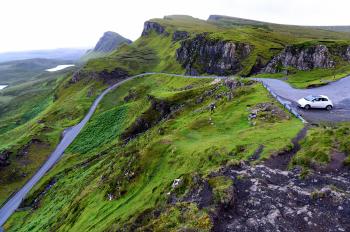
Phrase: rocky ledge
(180, 35)
(213, 56)
(307, 58)
(109, 77)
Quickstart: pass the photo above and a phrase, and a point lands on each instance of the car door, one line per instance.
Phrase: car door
(317, 103)
(324, 103)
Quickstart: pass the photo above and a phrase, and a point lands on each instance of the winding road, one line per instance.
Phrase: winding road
(13, 203)
(338, 91)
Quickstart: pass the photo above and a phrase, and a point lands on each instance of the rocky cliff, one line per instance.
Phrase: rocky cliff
(307, 58)
(180, 35)
(204, 55)
(153, 26)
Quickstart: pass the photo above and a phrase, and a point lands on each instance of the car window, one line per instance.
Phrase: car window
(324, 99)
(309, 98)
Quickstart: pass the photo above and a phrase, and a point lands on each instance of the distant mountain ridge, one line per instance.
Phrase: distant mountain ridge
(19, 71)
(56, 54)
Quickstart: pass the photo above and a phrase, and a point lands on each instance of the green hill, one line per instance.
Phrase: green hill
(155, 153)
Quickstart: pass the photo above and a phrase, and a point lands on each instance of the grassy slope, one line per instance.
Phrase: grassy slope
(38, 110)
(187, 143)
(321, 143)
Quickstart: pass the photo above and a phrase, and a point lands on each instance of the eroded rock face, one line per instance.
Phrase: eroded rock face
(204, 55)
(180, 35)
(306, 58)
(153, 26)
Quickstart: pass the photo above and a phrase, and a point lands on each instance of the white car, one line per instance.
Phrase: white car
(320, 101)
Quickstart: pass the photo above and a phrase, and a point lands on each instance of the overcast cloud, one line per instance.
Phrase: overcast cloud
(42, 24)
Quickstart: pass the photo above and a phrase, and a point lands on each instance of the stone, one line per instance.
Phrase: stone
(273, 215)
(176, 183)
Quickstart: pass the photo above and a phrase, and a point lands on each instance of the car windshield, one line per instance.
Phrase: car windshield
(309, 98)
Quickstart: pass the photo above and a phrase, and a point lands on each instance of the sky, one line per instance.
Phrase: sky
(49, 24)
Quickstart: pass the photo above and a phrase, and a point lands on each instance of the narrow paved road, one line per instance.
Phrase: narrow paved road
(13, 203)
(338, 92)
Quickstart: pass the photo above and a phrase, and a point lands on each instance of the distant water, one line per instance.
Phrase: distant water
(3, 87)
(60, 67)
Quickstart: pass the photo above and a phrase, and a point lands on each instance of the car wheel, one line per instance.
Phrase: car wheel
(329, 107)
(307, 107)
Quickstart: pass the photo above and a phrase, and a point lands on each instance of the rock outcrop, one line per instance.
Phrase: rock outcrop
(153, 26)
(107, 76)
(180, 35)
(344, 52)
(204, 55)
(347, 53)
(301, 58)
(274, 200)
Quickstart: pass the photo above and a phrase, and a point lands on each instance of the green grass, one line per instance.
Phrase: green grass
(320, 143)
(102, 129)
(140, 173)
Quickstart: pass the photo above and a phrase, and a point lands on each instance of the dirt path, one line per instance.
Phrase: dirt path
(281, 160)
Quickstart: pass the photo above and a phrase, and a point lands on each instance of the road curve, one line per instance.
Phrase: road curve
(13, 203)
(338, 92)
